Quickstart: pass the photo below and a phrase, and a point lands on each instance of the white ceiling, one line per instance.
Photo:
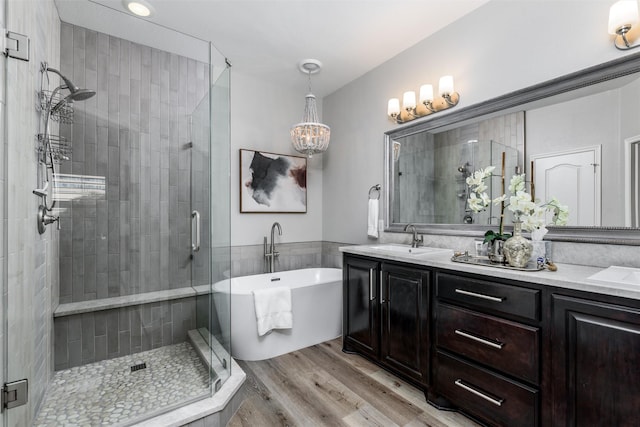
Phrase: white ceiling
(268, 38)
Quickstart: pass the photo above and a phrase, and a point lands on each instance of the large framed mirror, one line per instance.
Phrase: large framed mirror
(579, 134)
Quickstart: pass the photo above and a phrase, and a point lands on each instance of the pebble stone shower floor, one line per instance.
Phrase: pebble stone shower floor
(109, 393)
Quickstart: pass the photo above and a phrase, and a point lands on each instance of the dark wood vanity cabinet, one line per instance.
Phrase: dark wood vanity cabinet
(404, 305)
(386, 315)
(595, 363)
(487, 349)
(360, 301)
(506, 353)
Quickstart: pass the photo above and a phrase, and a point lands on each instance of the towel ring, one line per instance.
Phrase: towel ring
(375, 188)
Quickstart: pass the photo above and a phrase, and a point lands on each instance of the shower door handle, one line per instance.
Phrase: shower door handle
(195, 234)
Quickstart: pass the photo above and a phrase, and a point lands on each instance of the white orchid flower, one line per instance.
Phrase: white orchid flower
(476, 203)
(500, 199)
(516, 184)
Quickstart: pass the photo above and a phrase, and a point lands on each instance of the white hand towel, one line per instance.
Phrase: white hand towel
(372, 220)
(273, 309)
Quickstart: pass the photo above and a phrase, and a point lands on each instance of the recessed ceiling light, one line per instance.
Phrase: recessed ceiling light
(138, 7)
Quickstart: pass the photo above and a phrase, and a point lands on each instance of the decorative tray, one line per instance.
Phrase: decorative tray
(465, 258)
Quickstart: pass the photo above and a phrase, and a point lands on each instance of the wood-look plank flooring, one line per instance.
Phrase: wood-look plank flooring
(322, 386)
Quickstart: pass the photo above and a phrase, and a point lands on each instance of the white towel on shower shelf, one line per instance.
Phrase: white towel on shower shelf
(372, 220)
(273, 309)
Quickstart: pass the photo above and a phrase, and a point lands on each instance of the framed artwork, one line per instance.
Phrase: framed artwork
(273, 183)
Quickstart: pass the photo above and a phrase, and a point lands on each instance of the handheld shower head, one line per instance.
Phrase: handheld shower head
(76, 94)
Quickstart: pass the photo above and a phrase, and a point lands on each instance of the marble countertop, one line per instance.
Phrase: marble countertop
(568, 276)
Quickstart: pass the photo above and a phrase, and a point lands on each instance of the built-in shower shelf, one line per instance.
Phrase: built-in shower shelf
(68, 309)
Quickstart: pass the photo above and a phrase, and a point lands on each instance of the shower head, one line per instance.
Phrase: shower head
(76, 94)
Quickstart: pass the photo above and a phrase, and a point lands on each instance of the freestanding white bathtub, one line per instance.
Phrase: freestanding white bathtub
(316, 303)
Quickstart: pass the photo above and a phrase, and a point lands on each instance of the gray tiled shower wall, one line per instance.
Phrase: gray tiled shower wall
(133, 132)
(91, 337)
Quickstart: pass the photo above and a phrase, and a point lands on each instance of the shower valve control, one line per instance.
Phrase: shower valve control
(45, 219)
(15, 394)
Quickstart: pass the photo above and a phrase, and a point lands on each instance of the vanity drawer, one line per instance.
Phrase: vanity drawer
(486, 395)
(507, 346)
(496, 297)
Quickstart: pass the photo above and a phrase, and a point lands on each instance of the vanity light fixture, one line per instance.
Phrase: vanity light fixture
(623, 15)
(138, 7)
(428, 104)
(310, 136)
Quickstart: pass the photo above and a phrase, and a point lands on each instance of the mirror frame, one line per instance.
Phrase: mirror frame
(510, 102)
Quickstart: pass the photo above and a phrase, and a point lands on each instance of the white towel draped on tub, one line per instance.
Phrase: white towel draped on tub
(372, 220)
(273, 309)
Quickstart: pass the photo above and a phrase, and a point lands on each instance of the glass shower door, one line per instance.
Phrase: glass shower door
(210, 217)
(130, 246)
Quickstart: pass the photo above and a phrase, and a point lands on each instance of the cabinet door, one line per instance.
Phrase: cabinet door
(360, 306)
(596, 360)
(405, 300)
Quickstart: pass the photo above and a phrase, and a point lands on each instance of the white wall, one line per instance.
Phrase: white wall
(261, 115)
(500, 47)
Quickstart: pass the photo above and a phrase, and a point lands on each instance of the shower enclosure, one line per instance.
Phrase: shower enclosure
(112, 305)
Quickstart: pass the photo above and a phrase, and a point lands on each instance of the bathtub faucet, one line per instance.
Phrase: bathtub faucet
(272, 254)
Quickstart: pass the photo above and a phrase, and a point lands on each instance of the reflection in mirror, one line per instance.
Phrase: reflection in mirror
(632, 181)
(578, 134)
(430, 177)
(578, 152)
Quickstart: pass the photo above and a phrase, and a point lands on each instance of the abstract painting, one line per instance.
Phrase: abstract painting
(274, 183)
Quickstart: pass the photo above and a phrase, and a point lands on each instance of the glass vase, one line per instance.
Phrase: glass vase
(495, 251)
(517, 249)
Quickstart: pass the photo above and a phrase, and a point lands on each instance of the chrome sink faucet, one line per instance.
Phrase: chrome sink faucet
(272, 254)
(415, 241)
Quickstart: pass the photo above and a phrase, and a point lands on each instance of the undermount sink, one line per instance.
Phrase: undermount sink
(408, 250)
(616, 275)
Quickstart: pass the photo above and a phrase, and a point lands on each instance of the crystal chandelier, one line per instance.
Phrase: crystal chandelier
(310, 136)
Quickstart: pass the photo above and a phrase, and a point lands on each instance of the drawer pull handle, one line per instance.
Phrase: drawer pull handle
(497, 402)
(372, 294)
(484, 341)
(474, 294)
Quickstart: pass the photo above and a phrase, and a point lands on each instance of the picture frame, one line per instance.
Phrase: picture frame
(272, 183)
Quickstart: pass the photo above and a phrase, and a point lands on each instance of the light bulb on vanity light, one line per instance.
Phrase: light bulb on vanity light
(445, 88)
(426, 94)
(426, 97)
(623, 13)
(409, 100)
(623, 16)
(393, 107)
(447, 92)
